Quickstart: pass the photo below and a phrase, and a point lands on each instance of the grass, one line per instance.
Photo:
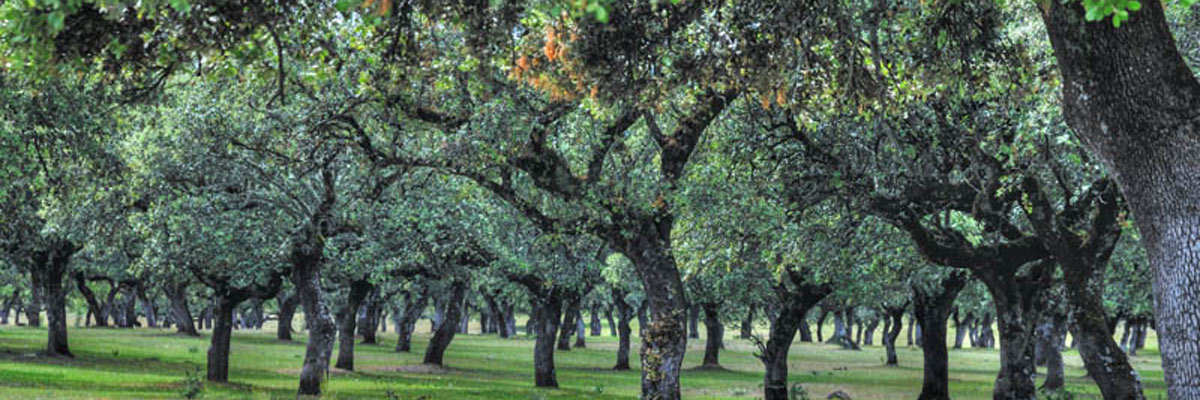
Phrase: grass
(150, 363)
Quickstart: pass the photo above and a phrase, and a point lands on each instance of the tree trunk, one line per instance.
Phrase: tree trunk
(597, 330)
(1133, 101)
(446, 330)
(714, 333)
(612, 322)
(805, 331)
(896, 314)
(93, 305)
(550, 310)
(53, 265)
(932, 311)
(693, 321)
(1018, 312)
(147, 306)
(368, 325)
(218, 350)
(306, 278)
(624, 315)
(414, 304)
(180, 312)
(1050, 337)
(347, 320)
(287, 311)
(1103, 358)
(961, 326)
(747, 326)
(869, 333)
(567, 329)
(580, 342)
(497, 315)
(793, 306)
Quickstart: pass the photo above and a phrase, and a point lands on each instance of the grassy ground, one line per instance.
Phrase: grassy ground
(148, 363)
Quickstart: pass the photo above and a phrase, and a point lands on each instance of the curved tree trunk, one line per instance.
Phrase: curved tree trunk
(287, 311)
(1131, 98)
(414, 304)
(715, 332)
(568, 326)
(1049, 350)
(932, 311)
(180, 312)
(94, 307)
(306, 277)
(347, 320)
(624, 315)
(895, 327)
(52, 265)
(793, 306)
(449, 326)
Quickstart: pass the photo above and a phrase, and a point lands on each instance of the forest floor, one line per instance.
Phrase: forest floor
(152, 363)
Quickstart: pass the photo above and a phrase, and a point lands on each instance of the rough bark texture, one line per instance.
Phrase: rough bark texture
(51, 265)
(1132, 100)
(895, 327)
(414, 304)
(714, 332)
(181, 313)
(449, 326)
(288, 301)
(794, 303)
(624, 315)
(1050, 337)
(307, 257)
(347, 319)
(550, 310)
(218, 349)
(932, 311)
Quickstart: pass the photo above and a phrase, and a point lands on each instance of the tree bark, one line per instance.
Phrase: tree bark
(693, 321)
(306, 278)
(932, 311)
(52, 265)
(747, 326)
(715, 332)
(218, 349)
(94, 306)
(550, 310)
(288, 301)
(896, 314)
(1050, 337)
(347, 320)
(597, 330)
(449, 326)
(414, 304)
(624, 332)
(961, 327)
(180, 312)
(368, 325)
(567, 329)
(794, 303)
(1129, 95)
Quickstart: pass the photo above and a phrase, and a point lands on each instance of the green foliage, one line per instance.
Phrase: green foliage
(1119, 10)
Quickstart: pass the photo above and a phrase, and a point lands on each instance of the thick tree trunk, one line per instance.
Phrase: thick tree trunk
(1018, 310)
(550, 310)
(445, 332)
(306, 278)
(1131, 98)
(347, 320)
(52, 265)
(180, 312)
(612, 322)
(1103, 358)
(794, 304)
(869, 333)
(218, 349)
(896, 314)
(715, 332)
(664, 342)
(288, 301)
(414, 304)
(1050, 337)
(932, 311)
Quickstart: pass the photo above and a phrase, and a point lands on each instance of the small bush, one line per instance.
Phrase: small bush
(797, 392)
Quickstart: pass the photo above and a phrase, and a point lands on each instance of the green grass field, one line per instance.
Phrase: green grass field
(149, 363)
